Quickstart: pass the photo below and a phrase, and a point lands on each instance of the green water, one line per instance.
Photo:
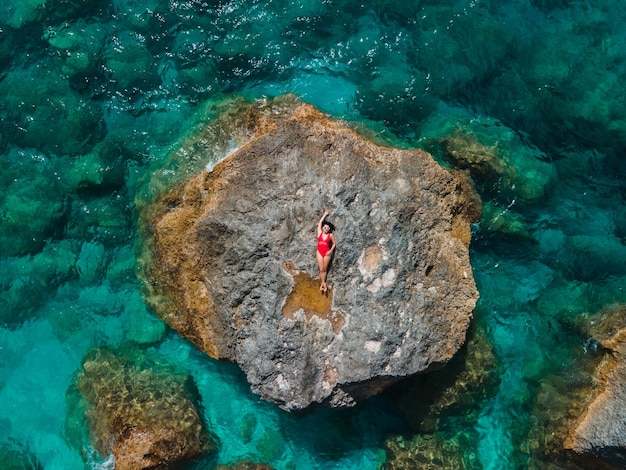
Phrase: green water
(96, 96)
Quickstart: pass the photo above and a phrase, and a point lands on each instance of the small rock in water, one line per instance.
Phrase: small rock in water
(141, 412)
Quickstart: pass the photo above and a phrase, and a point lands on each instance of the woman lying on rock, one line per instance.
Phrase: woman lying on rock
(325, 247)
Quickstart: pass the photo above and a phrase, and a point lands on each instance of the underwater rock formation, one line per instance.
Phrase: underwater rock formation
(504, 164)
(464, 149)
(141, 412)
(431, 402)
(429, 451)
(601, 430)
(469, 379)
(16, 456)
(232, 263)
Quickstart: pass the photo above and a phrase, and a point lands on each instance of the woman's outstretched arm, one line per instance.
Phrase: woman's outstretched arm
(319, 224)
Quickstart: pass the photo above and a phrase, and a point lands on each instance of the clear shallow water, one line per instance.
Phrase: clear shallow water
(94, 95)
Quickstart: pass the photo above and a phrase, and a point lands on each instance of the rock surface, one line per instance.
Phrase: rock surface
(143, 414)
(232, 261)
(601, 430)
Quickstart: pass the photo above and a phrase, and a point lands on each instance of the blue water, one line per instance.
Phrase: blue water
(96, 96)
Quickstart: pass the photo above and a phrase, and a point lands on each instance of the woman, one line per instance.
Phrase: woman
(325, 247)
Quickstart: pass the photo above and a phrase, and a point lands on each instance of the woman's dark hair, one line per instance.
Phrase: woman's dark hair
(330, 225)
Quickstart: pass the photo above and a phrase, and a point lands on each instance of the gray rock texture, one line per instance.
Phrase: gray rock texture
(232, 264)
(601, 429)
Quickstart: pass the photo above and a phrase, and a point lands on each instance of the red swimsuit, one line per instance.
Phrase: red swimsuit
(323, 246)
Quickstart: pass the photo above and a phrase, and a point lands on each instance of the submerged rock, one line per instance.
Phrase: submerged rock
(142, 412)
(16, 456)
(432, 402)
(501, 219)
(601, 430)
(470, 378)
(232, 262)
(505, 164)
(430, 451)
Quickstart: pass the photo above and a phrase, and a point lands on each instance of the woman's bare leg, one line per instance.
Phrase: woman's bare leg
(322, 265)
(325, 264)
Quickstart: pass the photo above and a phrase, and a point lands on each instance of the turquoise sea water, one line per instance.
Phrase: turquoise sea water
(95, 95)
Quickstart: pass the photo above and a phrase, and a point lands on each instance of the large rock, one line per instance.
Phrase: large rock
(601, 429)
(233, 266)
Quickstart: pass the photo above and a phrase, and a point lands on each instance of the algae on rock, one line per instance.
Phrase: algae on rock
(143, 412)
